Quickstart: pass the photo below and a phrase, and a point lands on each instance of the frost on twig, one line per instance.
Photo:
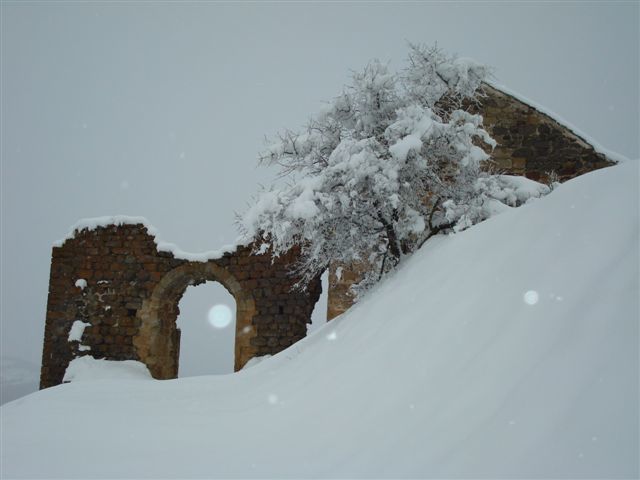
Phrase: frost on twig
(391, 161)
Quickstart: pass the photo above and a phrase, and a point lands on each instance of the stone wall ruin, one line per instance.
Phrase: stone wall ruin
(131, 298)
(132, 290)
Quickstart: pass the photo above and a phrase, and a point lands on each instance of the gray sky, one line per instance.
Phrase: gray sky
(159, 109)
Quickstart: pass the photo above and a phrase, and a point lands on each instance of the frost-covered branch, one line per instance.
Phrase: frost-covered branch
(384, 166)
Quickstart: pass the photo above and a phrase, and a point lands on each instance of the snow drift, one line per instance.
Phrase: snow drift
(507, 350)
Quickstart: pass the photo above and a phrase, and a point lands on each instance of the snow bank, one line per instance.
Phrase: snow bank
(106, 221)
(523, 188)
(87, 368)
(255, 361)
(509, 350)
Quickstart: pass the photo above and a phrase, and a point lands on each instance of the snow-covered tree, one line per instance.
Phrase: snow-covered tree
(390, 162)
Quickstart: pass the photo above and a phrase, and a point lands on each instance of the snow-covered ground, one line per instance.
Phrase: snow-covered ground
(509, 350)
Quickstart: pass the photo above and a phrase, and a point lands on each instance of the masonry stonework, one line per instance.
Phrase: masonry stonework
(530, 143)
(533, 144)
(132, 293)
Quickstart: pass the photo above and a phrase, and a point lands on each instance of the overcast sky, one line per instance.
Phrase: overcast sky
(159, 109)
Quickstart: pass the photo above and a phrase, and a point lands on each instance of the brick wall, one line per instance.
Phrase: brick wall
(531, 143)
(132, 295)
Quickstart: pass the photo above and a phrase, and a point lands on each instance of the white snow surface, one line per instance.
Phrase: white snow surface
(523, 188)
(255, 361)
(88, 369)
(76, 331)
(106, 221)
(443, 371)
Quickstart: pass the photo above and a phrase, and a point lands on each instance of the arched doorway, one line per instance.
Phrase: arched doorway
(206, 321)
(158, 341)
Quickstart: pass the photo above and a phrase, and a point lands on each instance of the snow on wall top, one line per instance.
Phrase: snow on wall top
(610, 154)
(87, 368)
(117, 220)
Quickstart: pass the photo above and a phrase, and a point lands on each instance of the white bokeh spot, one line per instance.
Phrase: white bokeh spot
(531, 297)
(219, 316)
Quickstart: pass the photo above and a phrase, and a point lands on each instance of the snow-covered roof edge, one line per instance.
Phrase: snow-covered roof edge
(161, 246)
(610, 154)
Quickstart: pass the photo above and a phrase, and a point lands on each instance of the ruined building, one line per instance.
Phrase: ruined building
(112, 276)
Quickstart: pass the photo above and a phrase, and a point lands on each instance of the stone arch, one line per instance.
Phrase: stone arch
(158, 340)
(131, 292)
